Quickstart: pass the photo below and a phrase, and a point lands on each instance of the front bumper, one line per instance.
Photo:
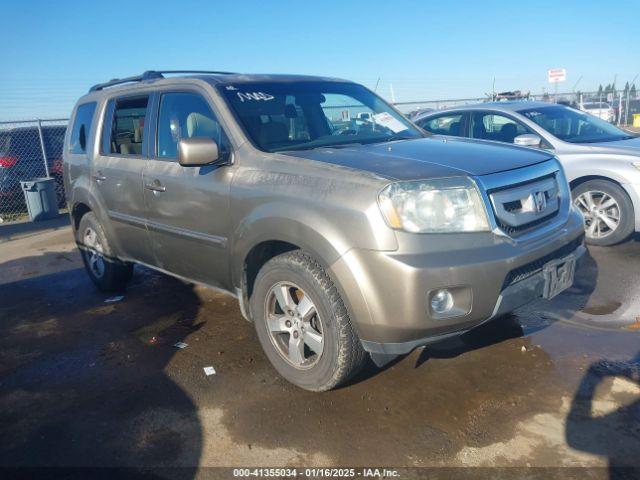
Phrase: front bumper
(387, 292)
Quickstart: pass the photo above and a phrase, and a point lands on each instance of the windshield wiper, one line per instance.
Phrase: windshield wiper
(315, 147)
(601, 140)
(342, 145)
(395, 137)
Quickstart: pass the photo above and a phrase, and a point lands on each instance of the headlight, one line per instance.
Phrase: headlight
(437, 206)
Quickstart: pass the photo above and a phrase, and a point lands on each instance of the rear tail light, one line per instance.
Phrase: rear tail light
(6, 162)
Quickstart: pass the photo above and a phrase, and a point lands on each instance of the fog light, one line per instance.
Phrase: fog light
(441, 301)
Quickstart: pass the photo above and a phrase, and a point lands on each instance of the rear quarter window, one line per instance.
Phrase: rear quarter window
(443, 124)
(81, 127)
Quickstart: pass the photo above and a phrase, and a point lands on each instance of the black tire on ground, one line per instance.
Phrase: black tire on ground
(342, 354)
(115, 274)
(626, 225)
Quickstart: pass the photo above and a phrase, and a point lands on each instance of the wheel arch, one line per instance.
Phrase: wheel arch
(576, 182)
(83, 202)
(79, 210)
(270, 238)
(631, 195)
(261, 239)
(635, 201)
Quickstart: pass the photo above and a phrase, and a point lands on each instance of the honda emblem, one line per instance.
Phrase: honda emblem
(539, 201)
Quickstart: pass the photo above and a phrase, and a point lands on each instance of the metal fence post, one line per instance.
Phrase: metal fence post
(44, 150)
(626, 109)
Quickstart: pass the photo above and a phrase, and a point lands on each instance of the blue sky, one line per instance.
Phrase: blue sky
(53, 51)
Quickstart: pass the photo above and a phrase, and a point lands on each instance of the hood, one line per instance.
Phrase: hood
(630, 146)
(430, 157)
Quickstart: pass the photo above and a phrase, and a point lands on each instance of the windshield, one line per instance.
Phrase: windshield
(281, 116)
(573, 125)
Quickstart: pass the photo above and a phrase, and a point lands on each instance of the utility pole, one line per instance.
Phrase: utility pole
(393, 95)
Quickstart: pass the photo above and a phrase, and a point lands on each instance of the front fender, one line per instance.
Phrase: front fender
(287, 223)
(315, 235)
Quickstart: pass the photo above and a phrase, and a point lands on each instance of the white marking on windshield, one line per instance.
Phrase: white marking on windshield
(256, 96)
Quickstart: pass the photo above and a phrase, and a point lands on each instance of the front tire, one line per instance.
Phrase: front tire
(303, 325)
(607, 210)
(108, 273)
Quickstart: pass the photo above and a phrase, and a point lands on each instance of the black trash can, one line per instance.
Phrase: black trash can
(40, 196)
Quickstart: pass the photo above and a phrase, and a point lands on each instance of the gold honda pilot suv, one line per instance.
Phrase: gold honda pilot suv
(343, 230)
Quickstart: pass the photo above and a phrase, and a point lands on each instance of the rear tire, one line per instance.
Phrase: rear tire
(313, 319)
(108, 273)
(608, 212)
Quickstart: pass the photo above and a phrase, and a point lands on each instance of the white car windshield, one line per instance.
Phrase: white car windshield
(573, 125)
(300, 115)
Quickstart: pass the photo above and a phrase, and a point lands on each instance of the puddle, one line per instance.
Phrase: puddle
(603, 309)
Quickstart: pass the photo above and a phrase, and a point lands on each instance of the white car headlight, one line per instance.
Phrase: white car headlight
(434, 206)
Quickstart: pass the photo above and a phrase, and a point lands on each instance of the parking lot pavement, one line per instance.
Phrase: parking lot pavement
(89, 383)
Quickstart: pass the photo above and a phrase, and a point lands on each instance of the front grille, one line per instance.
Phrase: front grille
(526, 206)
(525, 271)
(527, 227)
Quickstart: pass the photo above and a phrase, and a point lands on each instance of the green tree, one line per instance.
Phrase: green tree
(633, 92)
(600, 90)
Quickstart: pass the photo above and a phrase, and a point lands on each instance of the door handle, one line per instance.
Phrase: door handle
(98, 177)
(155, 186)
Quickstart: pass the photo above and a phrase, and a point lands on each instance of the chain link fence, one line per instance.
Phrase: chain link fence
(623, 104)
(29, 150)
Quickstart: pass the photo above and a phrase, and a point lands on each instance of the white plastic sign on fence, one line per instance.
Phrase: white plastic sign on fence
(557, 75)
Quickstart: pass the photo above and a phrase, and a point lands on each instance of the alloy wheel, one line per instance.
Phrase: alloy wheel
(294, 325)
(94, 252)
(601, 213)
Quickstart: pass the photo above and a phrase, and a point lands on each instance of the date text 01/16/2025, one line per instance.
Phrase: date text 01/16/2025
(316, 472)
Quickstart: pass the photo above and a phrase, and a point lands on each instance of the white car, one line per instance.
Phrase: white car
(601, 161)
(601, 110)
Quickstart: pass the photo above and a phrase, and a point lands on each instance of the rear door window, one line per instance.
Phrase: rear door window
(126, 135)
(443, 125)
(80, 130)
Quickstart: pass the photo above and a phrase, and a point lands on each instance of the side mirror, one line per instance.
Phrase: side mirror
(197, 151)
(528, 140)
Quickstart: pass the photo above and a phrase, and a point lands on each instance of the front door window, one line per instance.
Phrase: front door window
(499, 128)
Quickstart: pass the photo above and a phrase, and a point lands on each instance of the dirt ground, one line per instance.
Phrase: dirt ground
(89, 383)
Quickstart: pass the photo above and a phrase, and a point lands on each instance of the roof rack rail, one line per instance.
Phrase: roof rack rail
(150, 75)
